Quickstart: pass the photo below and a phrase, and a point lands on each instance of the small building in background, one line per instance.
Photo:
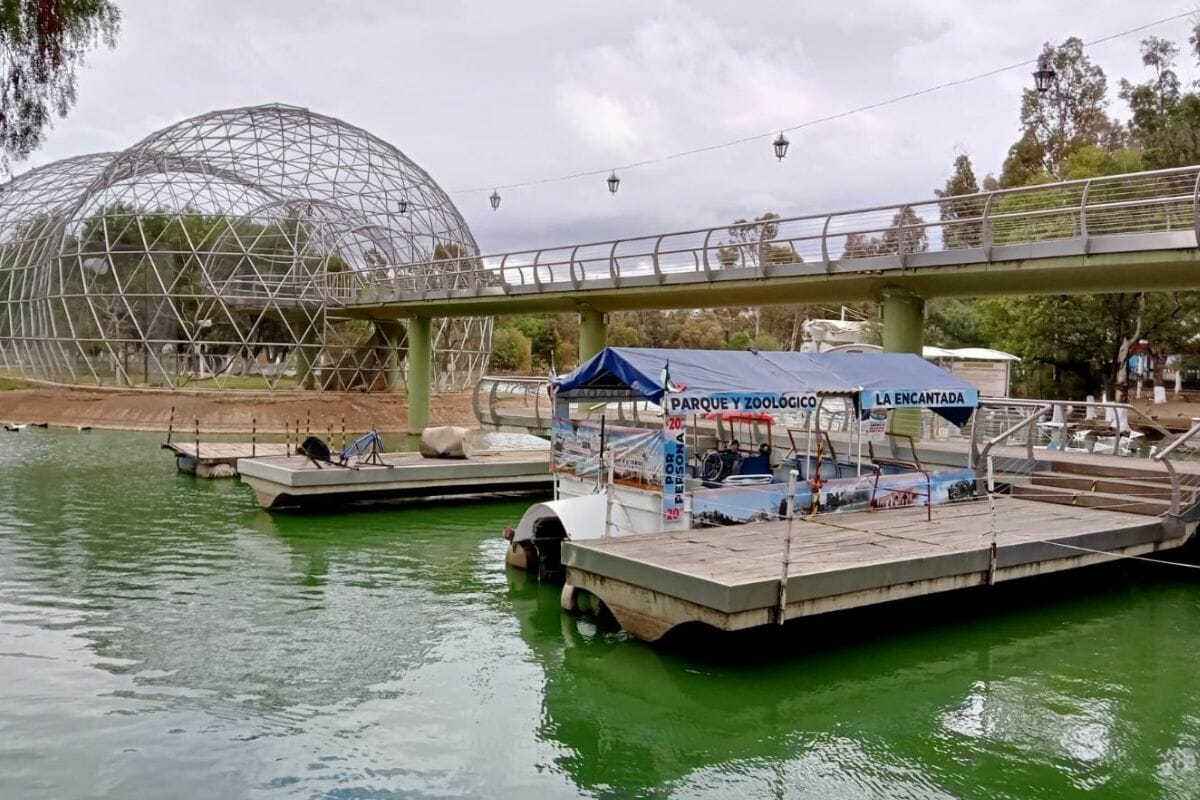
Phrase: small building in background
(988, 370)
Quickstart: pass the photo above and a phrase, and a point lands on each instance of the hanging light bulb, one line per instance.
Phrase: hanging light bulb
(1044, 75)
(613, 182)
(402, 205)
(495, 199)
(781, 146)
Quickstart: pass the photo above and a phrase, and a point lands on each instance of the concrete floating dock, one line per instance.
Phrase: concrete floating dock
(730, 577)
(295, 481)
(218, 459)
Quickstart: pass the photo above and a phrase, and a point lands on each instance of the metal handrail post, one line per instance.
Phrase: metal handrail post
(1162, 457)
(505, 284)
(1196, 209)
(707, 262)
(577, 282)
(1029, 437)
(1176, 488)
(492, 401)
(475, 400)
(1083, 201)
(995, 440)
(986, 240)
(825, 243)
(762, 250)
(901, 248)
(973, 451)
(537, 279)
(793, 476)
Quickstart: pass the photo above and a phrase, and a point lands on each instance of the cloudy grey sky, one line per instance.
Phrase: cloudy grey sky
(490, 93)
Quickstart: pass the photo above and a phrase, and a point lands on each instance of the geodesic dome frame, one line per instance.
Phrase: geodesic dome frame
(202, 257)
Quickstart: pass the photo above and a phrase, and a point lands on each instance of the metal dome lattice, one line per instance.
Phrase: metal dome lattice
(201, 256)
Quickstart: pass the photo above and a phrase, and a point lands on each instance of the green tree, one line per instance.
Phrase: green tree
(749, 243)
(511, 350)
(624, 334)
(566, 355)
(1070, 114)
(1152, 102)
(958, 228)
(42, 44)
(1164, 121)
(746, 339)
(1091, 161)
(700, 331)
(752, 243)
(655, 328)
(785, 323)
(1073, 344)
(954, 323)
(543, 335)
(905, 234)
(1177, 142)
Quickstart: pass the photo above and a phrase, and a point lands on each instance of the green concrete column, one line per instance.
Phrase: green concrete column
(593, 332)
(904, 332)
(420, 364)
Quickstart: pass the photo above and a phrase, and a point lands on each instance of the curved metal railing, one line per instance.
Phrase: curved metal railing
(1135, 212)
(1031, 419)
(523, 401)
(518, 400)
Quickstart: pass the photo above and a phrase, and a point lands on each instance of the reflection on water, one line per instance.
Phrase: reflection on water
(156, 630)
(1048, 702)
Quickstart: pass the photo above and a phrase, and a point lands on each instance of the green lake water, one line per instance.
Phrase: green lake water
(162, 637)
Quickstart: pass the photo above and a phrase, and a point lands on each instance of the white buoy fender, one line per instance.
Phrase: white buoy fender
(581, 517)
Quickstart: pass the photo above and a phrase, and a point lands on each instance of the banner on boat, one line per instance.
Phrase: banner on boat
(681, 403)
(919, 398)
(637, 452)
(733, 506)
(674, 440)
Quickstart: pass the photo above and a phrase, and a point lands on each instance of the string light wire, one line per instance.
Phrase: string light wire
(819, 120)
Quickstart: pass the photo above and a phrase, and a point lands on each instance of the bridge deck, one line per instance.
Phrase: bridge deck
(729, 577)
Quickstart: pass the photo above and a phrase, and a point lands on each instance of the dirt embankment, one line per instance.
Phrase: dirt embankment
(1175, 415)
(227, 412)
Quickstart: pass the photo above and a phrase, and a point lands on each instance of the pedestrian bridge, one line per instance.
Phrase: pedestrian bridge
(1120, 233)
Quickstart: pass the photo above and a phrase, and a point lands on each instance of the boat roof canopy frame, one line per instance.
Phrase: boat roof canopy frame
(885, 379)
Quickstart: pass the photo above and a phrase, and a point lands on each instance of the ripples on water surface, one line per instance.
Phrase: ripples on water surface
(162, 637)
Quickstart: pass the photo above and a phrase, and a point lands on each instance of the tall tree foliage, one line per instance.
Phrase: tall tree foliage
(1152, 102)
(959, 228)
(1164, 120)
(1075, 344)
(42, 43)
(1071, 114)
(905, 234)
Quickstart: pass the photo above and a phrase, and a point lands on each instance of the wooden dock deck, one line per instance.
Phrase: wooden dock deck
(219, 459)
(295, 481)
(730, 578)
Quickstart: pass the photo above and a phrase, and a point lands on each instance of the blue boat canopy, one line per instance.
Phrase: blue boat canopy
(699, 381)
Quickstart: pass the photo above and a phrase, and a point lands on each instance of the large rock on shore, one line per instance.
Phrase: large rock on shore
(446, 441)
